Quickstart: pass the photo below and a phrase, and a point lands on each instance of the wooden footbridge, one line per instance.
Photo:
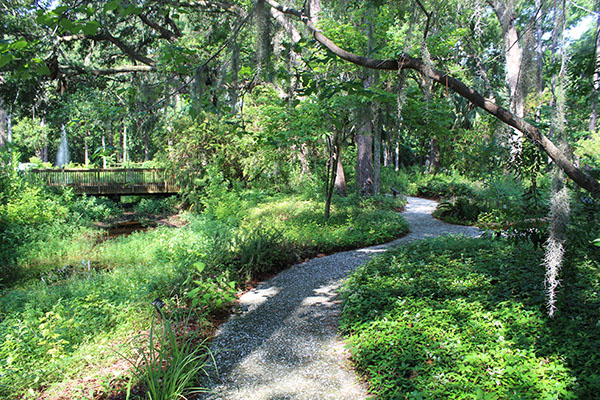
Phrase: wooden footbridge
(111, 181)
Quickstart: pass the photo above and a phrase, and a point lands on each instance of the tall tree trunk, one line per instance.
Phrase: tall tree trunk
(124, 142)
(44, 150)
(556, 31)
(301, 152)
(9, 137)
(103, 152)
(505, 12)
(433, 159)
(146, 147)
(314, 10)
(263, 39)
(364, 157)
(397, 156)
(385, 150)
(334, 151)
(340, 177)
(596, 82)
(364, 138)
(539, 50)
(377, 128)
(233, 88)
(86, 156)
(3, 130)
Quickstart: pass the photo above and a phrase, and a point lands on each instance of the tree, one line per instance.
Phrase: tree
(93, 40)
(405, 61)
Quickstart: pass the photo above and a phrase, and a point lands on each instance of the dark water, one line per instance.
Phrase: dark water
(128, 227)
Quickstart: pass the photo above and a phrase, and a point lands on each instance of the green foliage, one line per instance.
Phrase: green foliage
(439, 186)
(258, 250)
(30, 135)
(154, 206)
(588, 149)
(25, 209)
(211, 290)
(86, 293)
(49, 327)
(458, 210)
(456, 317)
(93, 209)
(170, 361)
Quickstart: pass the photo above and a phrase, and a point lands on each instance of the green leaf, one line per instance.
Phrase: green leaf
(60, 10)
(596, 242)
(5, 59)
(91, 28)
(19, 45)
(46, 20)
(199, 265)
(66, 24)
(111, 5)
(43, 70)
(132, 10)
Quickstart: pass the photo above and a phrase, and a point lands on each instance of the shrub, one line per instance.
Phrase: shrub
(93, 209)
(154, 206)
(459, 210)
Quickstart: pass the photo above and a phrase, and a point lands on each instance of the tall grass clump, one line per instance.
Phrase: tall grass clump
(169, 362)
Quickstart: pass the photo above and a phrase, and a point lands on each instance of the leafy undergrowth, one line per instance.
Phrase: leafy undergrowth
(68, 327)
(464, 318)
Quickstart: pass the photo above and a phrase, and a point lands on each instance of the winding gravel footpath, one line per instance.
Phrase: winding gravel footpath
(283, 342)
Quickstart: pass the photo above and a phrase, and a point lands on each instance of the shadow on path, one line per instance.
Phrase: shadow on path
(283, 343)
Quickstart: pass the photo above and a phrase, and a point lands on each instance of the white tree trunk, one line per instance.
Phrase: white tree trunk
(505, 11)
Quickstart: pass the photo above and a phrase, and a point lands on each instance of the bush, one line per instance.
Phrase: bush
(154, 206)
(257, 251)
(94, 209)
(459, 210)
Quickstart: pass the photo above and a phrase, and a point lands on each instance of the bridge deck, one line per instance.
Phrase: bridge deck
(113, 181)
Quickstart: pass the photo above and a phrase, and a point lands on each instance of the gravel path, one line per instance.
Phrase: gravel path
(283, 343)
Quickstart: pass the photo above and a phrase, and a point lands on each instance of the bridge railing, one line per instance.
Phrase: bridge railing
(110, 180)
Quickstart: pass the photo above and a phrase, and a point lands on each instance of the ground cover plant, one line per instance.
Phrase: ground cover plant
(465, 318)
(74, 320)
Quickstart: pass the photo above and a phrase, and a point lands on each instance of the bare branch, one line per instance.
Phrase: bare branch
(428, 15)
(164, 32)
(124, 48)
(110, 71)
(110, 38)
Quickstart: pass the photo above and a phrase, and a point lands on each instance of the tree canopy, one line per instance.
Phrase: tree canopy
(121, 72)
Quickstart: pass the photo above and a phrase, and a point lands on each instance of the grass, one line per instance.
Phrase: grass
(65, 321)
(465, 318)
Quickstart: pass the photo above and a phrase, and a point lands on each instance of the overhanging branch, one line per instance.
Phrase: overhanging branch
(164, 32)
(109, 71)
(406, 61)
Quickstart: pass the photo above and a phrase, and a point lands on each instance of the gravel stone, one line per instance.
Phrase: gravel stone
(283, 342)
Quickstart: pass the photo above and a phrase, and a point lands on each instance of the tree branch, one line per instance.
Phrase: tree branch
(110, 71)
(124, 48)
(406, 61)
(428, 15)
(110, 38)
(164, 32)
